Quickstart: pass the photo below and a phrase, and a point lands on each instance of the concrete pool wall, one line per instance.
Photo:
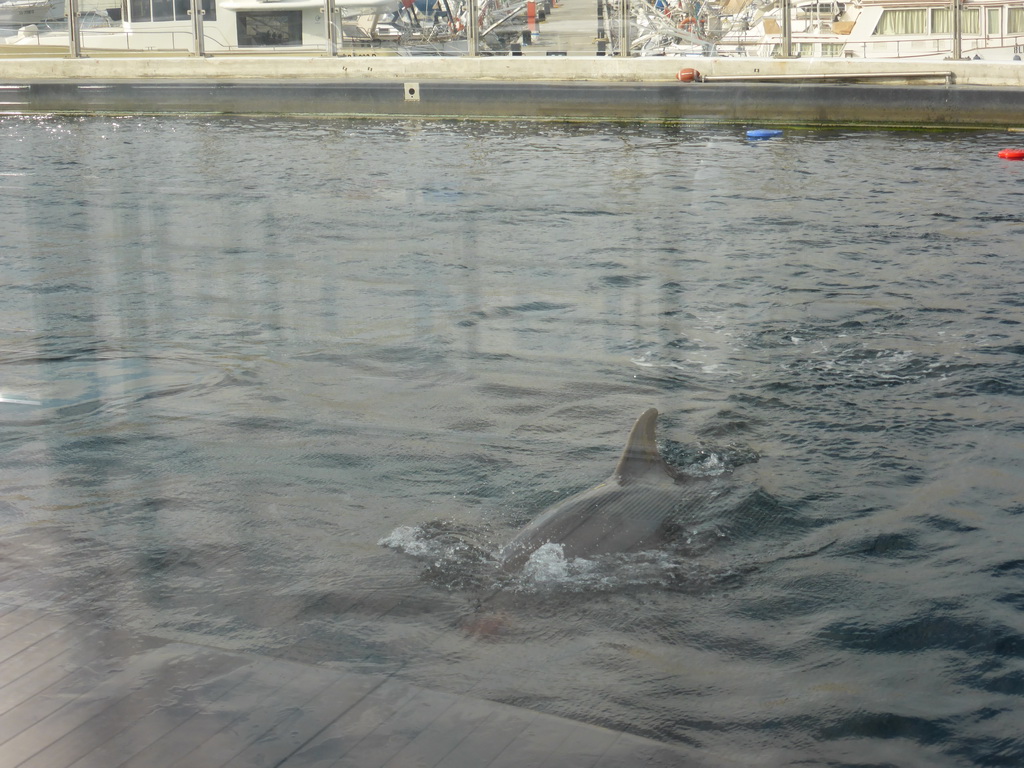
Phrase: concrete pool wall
(919, 94)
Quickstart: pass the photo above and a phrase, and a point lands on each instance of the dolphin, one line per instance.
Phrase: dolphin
(633, 510)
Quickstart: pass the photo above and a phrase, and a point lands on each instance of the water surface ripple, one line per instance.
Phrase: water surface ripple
(236, 354)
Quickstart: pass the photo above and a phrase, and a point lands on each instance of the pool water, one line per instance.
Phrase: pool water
(285, 386)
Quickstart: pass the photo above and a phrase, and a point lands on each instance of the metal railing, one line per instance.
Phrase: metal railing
(502, 27)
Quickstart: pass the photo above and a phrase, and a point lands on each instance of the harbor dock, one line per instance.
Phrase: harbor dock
(559, 76)
(565, 89)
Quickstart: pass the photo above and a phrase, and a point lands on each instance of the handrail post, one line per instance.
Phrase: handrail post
(473, 27)
(787, 30)
(197, 13)
(330, 30)
(956, 6)
(624, 41)
(74, 30)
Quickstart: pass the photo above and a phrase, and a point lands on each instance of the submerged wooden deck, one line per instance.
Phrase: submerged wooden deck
(73, 693)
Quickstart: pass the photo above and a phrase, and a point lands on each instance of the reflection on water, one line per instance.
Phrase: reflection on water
(236, 354)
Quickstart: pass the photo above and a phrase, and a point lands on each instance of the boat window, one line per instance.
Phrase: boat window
(1015, 21)
(168, 10)
(139, 10)
(152, 10)
(163, 10)
(942, 21)
(992, 23)
(270, 28)
(911, 21)
(832, 49)
(970, 21)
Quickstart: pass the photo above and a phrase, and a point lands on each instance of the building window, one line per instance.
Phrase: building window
(261, 28)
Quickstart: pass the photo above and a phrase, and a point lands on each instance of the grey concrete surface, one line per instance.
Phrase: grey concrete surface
(789, 103)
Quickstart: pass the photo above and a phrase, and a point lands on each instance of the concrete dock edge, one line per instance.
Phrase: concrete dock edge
(884, 93)
(733, 102)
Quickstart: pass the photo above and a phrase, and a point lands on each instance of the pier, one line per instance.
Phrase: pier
(557, 76)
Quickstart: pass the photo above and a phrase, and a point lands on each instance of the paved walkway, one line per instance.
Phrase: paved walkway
(570, 28)
(73, 693)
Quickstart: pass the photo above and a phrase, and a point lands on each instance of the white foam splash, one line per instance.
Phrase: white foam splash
(549, 565)
(408, 539)
(711, 465)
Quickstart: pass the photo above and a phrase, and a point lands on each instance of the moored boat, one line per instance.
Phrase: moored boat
(367, 27)
(867, 29)
(14, 13)
(887, 29)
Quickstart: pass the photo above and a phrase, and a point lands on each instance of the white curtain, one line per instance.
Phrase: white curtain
(912, 21)
(1014, 21)
(942, 21)
(970, 21)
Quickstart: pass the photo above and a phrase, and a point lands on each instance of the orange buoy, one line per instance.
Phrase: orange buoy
(688, 75)
(1012, 154)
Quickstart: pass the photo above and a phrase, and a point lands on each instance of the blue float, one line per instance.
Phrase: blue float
(763, 133)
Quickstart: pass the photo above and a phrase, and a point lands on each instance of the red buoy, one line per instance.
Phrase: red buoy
(1012, 154)
(687, 75)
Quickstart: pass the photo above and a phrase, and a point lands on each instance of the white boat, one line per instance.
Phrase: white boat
(14, 13)
(868, 29)
(227, 25)
(370, 27)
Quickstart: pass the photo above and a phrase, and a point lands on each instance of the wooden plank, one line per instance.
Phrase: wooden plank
(39, 666)
(24, 626)
(301, 725)
(534, 745)
(29, 657)
(81, 696)
(395, 733)
(86, 719)
(502, 728)
(81, 666)
(217, 733)
(583, 746)
(189, 715)
(334, 741)
(629, 751)
(430, 748)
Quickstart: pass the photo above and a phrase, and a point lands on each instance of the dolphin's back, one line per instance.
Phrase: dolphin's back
(625, 513)
(599, 521)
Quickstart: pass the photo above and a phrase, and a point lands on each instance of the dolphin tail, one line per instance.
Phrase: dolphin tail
(641, 454)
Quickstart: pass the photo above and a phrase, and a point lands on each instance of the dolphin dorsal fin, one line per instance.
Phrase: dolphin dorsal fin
(641, 454)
